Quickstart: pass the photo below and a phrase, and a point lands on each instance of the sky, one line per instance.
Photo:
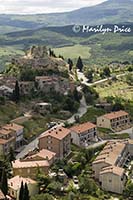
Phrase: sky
(43, 6)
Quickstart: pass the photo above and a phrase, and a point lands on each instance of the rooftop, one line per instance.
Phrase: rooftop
(30, 164)
(44, 154)
(83, 127)
(56, 132)
(4, 131)
(113, 169)
(15, 182)
(117, 114)
(13, 126)
(46, 78)
(110, 153)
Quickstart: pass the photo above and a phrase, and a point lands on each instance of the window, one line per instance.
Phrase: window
(12, 193)
(110, 181)
(28, 171)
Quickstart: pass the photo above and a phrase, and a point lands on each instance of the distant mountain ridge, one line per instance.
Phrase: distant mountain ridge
(108, 12)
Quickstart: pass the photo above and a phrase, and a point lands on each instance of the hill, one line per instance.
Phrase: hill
(111, 11)
(92, 47)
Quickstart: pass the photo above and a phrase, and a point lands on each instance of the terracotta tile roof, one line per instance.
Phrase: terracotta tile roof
(44, 154)
(30, 164)
(1, 195)
(83, 127)
(13, 126)
(117, 114)
(57, 132)
(46, 78)
(4, 131)
(110, 153)
(15, 182)
(113, 169)
(3, 141)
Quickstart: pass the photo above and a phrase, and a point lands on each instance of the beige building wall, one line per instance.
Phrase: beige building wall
(97, 168)
(29, 172)
(112, 182)
(130, 147)
(33, 190)
(50, 143)
(75, 138)
(103, 122)
(56, 145)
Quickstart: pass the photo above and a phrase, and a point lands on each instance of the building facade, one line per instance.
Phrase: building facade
(58, 140)
(83, 134)
(109, 165)
(14, 185)
(116, 121)
(28, 167)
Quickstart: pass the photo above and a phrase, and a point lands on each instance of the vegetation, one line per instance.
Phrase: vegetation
(24, 192)
(16, 93)
(91, 114)
(115, 88)
(90, 94)
(79, 64)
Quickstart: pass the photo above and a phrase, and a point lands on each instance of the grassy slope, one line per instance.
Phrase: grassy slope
(74, 51)
(96, 49)
(116, 89)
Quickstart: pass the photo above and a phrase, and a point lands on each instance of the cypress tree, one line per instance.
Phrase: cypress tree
(26, 193)
(16, 92)
(4, 184)
(79, 64)
(21, 191)
(11, 155)
(70, 63)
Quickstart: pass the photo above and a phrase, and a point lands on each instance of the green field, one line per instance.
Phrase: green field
(115, 89)
(74, 51)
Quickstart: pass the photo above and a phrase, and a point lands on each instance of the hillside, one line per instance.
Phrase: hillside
(111, 11)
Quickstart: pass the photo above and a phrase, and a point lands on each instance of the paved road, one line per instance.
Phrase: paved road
(81, 76)
(81, 111)
(32, 145)
(129, 131)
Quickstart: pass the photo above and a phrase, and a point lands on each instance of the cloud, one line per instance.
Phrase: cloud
(43, 6)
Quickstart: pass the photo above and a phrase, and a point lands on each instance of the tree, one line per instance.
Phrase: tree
(16, 93)
(51, 53)
(55, 187)
(43, 181)
(77, 95)
(4, 184)
(90, 76)
(87, 185)
(106, 71)
(11, 155)
(79, 64)
(129, 189)
(129, 79)
(45, 196)
(21, 191)
(26, 193)
(70, 63)
(130, 68)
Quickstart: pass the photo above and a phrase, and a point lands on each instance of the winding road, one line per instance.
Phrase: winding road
(34, 144)
(81, 111)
